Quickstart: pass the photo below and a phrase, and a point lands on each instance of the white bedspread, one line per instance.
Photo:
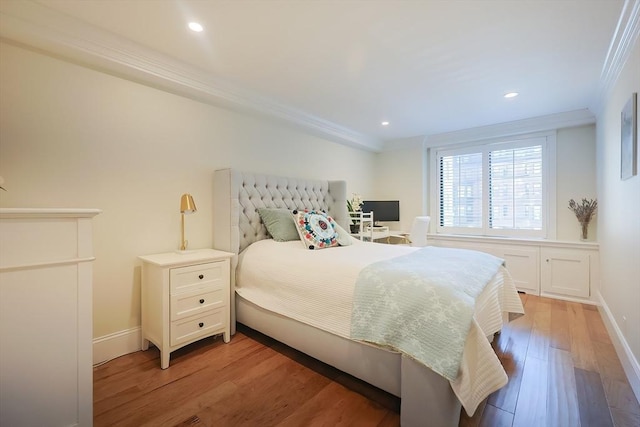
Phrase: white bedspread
(316, 288)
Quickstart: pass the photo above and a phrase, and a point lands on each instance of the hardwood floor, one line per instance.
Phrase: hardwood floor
(563, 371)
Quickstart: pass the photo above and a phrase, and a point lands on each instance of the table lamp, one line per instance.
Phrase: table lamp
(187, 206)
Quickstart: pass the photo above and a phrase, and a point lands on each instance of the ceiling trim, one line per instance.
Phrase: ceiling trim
(626, 33)
(518, 127)
(34, 25)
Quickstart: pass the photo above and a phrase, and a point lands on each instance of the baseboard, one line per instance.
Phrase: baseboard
(117, 344)
(629, 362)
(567, 298)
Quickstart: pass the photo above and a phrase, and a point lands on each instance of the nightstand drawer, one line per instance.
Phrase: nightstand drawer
(187, 304)
(186, 279)
(191, 328)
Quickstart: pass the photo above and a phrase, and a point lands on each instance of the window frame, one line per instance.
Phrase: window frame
(548, 142)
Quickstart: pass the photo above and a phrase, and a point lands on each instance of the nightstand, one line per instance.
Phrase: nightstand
(185, 297)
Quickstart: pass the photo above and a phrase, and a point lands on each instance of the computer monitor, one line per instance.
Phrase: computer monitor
(383, 210)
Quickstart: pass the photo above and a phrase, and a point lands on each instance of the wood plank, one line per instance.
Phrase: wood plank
(620, 395)
(345, 411)
(391, 419)
(387, 400)
(581, 347)
(260, 387)
(560, 337)
(146, 405)
(531, 409)
(591, 399)
(609, 365)
(126, 387)
(268, 396)
(562, 397)
(191, 421)
(121, 364)
(540, 331)
(513, 341)
(511, 347)
(597, 330)
(174, 413)
(149, 364)
(506, 398)
(625, 419)
(495, 417)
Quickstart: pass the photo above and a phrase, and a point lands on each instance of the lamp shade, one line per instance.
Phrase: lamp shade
(187, 205)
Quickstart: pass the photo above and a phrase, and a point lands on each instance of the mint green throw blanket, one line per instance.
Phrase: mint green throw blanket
(422, 304)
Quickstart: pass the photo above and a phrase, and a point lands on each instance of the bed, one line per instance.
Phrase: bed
(427, 397)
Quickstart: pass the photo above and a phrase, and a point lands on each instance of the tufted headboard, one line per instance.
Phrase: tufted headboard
(238, 195)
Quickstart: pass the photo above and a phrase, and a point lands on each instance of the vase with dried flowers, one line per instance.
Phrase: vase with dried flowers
(584, 211)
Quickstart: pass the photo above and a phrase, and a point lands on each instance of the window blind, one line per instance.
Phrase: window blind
(461, 190)
(498, 188)
(515, 188)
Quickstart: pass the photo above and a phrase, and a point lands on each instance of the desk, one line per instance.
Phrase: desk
(379, 233)
(375, 233)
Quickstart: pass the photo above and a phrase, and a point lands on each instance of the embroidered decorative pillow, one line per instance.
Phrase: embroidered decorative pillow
(316, 229)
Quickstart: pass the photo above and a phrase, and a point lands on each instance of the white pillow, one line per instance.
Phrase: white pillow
(344, 238)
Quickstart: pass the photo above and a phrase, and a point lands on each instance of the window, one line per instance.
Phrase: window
(496, 188)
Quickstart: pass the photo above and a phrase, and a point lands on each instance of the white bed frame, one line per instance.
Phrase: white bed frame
(426, 397)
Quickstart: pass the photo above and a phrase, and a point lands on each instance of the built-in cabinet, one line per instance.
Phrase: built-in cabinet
(566, 271)
(46, 324)
(541, 267)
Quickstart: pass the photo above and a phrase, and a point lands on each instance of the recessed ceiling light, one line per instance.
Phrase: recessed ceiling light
(511, 95)
(385, 123)
(194, 26)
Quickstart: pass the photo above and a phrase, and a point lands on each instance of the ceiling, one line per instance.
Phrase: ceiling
(428, 67)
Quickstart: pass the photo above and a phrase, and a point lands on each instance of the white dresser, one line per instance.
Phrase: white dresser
(46, 324)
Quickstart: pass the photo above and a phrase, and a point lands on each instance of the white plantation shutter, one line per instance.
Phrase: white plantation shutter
(461, 190)
(494, 189)
(515, 188)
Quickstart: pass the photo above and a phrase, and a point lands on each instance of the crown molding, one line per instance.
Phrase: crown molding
(33, 25)
(518, 127)
(623, 40)
(404, 143)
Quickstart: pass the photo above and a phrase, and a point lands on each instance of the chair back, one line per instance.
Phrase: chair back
(418, 233)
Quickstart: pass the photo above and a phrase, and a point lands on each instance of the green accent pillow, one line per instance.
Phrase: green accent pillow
(279, 223)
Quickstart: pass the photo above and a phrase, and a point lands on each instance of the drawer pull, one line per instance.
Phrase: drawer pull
(202, 301)
(201, 276)
(201, 324)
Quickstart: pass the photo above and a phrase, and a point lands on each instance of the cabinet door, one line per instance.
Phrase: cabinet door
(565, 272)
(522, 264)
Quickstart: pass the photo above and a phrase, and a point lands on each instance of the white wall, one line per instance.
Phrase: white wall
(75, 137)
(575, 178)
(400, 176)
(619, 215)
